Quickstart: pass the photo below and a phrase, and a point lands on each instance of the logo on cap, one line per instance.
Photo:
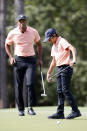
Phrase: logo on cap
(21, 17)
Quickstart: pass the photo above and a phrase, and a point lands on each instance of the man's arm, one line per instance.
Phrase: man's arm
(8, 51)
(74, 54)
(39, 48)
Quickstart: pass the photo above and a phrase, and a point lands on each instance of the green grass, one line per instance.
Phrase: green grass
(10, 121)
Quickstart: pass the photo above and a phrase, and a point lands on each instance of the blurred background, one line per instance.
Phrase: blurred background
(69, 17)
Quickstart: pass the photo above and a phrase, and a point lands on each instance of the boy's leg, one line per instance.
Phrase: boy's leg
(66, 80)
(61, 97)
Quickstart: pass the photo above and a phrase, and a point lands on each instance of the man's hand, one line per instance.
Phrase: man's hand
(8, 50)
(12, 60)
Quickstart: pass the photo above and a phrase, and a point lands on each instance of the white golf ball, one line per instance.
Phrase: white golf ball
(58, 122)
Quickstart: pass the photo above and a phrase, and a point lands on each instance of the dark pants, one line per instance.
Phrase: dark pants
(24, 67)
(63, 89)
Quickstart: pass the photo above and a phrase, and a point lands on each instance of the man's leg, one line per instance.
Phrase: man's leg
(30, 77)
(18, 78)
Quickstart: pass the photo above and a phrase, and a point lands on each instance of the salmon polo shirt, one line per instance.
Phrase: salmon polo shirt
(61, 52)
(23, 42)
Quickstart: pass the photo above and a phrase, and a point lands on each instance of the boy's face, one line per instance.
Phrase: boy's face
(53, 39)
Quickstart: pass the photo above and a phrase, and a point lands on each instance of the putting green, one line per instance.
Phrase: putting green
(10, 121)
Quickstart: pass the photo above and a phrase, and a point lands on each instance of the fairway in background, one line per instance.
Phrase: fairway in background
(10, 121)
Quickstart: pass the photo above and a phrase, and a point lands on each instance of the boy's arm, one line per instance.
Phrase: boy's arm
(52, 65)
(74, 54)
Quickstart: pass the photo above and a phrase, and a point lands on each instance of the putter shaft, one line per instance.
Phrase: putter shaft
(44, 94)
(59, 72)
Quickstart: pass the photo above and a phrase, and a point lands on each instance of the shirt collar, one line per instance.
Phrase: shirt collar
(20, 31)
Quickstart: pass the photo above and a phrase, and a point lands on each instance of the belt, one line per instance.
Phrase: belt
(63, 66)
(25, 57)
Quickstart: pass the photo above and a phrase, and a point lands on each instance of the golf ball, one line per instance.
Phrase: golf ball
(58, 122)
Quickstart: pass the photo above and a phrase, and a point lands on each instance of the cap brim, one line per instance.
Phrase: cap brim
(21, 19)
(46, 39)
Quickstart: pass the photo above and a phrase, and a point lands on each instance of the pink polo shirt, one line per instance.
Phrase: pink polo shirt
(23, 42)
(61, 52)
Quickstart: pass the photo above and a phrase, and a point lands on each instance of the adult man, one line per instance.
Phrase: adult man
(23, 37)
(61, 58)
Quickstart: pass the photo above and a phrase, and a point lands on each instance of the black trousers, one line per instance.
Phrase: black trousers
(63, 89)
(24, 67)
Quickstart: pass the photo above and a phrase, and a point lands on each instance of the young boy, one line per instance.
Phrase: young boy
(61, 58)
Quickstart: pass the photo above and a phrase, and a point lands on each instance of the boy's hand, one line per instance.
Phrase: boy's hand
(49, 79)
(72, 64)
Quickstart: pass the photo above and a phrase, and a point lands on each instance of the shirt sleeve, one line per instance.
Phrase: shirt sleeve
(65, 44)
(37, 36)
(9, 39)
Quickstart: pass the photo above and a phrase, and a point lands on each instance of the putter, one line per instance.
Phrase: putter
(59, 72)
(44, 93)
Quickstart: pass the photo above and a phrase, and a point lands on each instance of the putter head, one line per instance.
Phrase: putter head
(43, 94)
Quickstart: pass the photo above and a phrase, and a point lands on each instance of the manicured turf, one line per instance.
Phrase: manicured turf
(10, 121)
